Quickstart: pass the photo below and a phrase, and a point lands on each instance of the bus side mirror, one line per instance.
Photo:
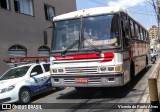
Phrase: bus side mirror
(45, 37)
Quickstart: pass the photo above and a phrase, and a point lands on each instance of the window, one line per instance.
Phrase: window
(46, 67)
(37, 69)
(5, 4)
(24, 6)
(141, 34)
(43, 51)
(49, 12)
(132, 29)
(17, 51)
(137, 31)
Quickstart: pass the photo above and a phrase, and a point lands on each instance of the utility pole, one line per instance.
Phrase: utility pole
(158, 17)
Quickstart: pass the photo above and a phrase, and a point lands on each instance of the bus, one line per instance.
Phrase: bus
(97, 47)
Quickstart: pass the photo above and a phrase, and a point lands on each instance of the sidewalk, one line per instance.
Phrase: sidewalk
(154, 74)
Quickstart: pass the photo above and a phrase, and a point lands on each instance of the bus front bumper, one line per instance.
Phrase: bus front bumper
(88, 80)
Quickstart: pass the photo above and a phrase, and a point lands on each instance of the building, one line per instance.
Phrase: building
(153, 32)
(153, 35)
(22, 23)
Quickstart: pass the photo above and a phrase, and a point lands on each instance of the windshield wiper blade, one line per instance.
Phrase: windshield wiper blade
(94, 47)
(72, 45)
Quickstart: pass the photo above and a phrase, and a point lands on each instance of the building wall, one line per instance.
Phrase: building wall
(25, 30)
(153, 35)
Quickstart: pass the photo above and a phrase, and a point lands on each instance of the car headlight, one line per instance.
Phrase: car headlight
(7, 89)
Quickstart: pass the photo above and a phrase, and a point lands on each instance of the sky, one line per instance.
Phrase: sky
(141, 10)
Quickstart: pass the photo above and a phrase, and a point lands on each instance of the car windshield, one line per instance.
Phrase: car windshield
(15, 73)
(100, 31)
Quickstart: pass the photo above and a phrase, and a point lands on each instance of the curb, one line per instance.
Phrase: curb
(154, 74)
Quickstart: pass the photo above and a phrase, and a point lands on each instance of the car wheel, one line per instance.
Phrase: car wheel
(24, 96)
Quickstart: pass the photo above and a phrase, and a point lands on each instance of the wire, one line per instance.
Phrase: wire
(140, 6)
(142, 13)
(98, 2)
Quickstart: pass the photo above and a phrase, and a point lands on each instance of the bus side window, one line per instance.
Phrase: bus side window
(143, 35)
(124, 35)
(137, 31)
(132, 30)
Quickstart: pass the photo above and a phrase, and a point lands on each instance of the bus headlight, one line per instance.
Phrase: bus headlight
(60, 70)
(54, 70)
(118, 68)
(57, 70)
(110, 68)
(102, 69)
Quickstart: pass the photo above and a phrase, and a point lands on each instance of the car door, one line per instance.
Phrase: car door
(38, 79)
(47, 74)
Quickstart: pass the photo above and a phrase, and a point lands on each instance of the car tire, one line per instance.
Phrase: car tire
(24, 96)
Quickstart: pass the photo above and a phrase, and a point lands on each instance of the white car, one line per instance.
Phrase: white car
(20, 83)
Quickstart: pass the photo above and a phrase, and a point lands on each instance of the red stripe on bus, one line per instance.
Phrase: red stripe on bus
(107, 56)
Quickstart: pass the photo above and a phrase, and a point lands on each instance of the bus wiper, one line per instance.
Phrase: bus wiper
(72, 45)
(94, 47)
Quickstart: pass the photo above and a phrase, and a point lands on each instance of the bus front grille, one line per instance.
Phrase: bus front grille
(81, 69)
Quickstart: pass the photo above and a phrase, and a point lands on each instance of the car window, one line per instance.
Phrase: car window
(46, 67)
(37, 69)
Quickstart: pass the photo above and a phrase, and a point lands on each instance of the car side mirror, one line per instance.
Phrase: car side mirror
(34, 73)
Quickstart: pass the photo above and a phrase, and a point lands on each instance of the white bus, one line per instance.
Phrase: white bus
(97, 47)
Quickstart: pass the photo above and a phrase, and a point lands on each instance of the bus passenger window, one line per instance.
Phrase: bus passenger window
(137, 31)
(143, 35)
(124, 35)
(132, 29)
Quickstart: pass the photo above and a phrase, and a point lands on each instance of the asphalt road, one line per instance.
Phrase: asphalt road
(95, 100)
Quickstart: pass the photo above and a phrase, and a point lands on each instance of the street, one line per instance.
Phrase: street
(100, 100)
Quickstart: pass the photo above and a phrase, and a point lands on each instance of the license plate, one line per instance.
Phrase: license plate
(81, 80)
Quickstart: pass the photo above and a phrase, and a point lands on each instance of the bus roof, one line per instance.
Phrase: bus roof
(92, 12)
(88, 12)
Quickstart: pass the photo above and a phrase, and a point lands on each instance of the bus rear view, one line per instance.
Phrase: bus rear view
(92, 48)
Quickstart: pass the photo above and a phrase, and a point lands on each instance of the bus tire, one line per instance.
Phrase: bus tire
(132, 75)
(132, 71)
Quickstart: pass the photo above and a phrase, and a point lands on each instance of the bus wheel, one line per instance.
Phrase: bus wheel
(132, 72)
(132, 75)
(146, 66)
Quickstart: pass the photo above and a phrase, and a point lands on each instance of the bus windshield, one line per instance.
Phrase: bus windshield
(100, 31)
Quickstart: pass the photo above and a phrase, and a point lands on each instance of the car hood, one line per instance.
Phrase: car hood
(9, 82)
